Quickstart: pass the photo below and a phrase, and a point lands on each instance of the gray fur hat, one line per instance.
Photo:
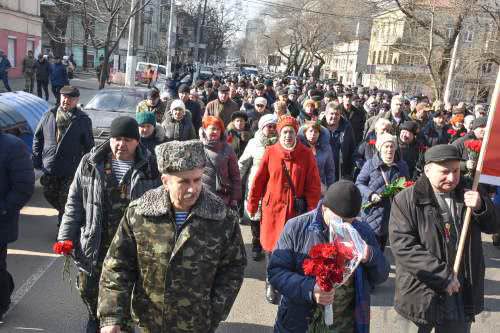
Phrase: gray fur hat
(178, 156)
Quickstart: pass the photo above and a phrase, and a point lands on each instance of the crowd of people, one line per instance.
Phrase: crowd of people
(153, 214)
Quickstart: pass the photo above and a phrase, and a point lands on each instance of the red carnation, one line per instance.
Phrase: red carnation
(229, 139)
(408, 183)
(473, 145)
(64, 247)
(452, 132)
(462, 134)
(372, 142)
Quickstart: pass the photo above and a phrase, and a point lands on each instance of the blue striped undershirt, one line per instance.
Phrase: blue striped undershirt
(120, 168)
(180, 218)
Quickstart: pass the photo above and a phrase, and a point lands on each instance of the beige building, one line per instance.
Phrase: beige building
(395, 63)
(20, 31)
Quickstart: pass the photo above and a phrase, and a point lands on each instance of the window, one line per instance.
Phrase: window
(468, 36)
(11, 51)
(486, 68)
(30, 45)
(449, 32)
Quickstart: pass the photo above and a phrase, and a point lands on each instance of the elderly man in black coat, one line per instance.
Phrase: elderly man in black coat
(424, 231)
(17, 182)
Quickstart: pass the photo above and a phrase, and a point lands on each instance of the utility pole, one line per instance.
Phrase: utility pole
(131, 50)
(447, 90)
(199, 24)
(169, 38)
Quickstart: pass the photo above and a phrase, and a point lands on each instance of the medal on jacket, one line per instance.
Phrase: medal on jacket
(447, 227)
(123, 192)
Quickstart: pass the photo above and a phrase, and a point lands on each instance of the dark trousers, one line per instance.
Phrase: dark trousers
(255, 228)
(42, 84)
(382, 240)
(408, 326)
(5, 80)
(6, 281)
(57, 94)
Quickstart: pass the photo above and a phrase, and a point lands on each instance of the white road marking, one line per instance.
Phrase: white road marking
(30, 282)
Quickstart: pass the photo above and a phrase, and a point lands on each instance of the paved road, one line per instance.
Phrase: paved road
(43, 302)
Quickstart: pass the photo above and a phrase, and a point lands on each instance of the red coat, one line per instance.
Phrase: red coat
(270, 184)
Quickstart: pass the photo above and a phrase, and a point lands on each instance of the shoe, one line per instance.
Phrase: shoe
(257, 253)
(272, 296)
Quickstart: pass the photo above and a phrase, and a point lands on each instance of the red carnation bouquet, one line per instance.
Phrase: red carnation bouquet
(452, 132)
(390, 191)
(65, 248)
(332, 264)
(473, 148)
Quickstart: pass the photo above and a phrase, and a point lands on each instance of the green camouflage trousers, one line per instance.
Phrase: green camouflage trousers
(28, 82)
(55, 191)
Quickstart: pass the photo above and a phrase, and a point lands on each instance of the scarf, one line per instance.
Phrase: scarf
(63, 120)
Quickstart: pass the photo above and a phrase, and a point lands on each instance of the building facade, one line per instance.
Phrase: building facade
(20, 31)
(395, 60)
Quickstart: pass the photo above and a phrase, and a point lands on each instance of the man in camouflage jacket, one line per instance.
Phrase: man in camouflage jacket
(178, 253)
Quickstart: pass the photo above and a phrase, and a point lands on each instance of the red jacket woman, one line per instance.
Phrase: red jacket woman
(271, 184)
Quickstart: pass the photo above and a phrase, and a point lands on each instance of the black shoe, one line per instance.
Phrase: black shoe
(257, 253)
(272, 296)
(92, 326)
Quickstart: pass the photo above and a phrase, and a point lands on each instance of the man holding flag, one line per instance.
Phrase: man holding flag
(424, 230)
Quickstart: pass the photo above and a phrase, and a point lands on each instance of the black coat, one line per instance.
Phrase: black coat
(42, 70)
(423, 268)
(17, 183)
(61, 159)
(357, 118)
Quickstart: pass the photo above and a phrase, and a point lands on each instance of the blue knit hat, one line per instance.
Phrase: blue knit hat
(145, 118)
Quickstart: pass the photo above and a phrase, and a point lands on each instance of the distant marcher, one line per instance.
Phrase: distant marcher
(152, 134)
(153, 104)
(177, 123)
(17, 184)
(58, 78)
(42, 70)
(238, 133)
(28, 72)
(4, 67)
(223, 107)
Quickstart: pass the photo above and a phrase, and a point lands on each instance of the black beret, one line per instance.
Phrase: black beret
(184, 88)
(124, 127)
(411, 126)
(343, 198)
(479, 122)
(223, 88)
(441, 153)
(70, 91)
(239, 114)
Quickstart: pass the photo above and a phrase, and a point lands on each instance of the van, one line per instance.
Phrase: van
(160, 72)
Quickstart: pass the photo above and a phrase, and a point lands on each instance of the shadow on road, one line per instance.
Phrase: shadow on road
(243, 328)
(255, 269)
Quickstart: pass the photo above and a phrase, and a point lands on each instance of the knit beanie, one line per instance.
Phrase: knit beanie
(145, 118)
(266, 120)
(343, 198)
(177, 104)
(126, 127)
(260, 100)
(384, 138)
(287, 121)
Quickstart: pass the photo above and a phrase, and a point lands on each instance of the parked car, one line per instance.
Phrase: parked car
(110, 103)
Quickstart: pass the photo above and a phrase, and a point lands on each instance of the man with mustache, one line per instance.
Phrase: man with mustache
(424, 231)
(178, 253)
(107, 179)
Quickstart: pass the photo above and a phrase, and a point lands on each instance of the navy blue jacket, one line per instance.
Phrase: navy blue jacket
(4, 66)
(17, 183)
(432, 137)
(343, 148)
(287, 276)
(324, 156)
(370, 181)
(61, 159)
(58, 75)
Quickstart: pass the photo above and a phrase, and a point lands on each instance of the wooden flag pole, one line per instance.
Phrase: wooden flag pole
(479, 168)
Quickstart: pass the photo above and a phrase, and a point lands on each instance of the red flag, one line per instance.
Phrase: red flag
(490, 173)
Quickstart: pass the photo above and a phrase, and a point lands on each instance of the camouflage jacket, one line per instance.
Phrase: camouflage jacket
(180, 280)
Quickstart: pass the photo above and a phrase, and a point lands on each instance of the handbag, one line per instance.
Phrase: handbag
(220, 186)
(299, 204)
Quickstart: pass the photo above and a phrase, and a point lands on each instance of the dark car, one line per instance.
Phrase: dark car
(110, 103)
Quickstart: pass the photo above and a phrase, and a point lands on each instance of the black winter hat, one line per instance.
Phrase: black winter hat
(125, 127)
(479, 122)
(343, 198)
(184, 88)
(239, 114)
(410, 125)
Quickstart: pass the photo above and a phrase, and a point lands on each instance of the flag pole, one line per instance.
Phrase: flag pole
(479, 168)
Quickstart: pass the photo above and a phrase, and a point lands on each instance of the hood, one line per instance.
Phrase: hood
(323, 140)
(102, 119)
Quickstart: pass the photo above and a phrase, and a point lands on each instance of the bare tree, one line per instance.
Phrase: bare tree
(55, 21)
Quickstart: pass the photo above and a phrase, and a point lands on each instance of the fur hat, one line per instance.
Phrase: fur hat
(145, 118)
(178, 156)
(384, 138)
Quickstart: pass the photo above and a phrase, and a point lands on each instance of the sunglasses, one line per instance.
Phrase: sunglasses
(260, 105)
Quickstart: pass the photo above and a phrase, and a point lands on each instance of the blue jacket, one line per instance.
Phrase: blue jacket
(61, 159)
(431, 136)
(369, 181)
(17, 183)
(287, 276)
(343, 148)
(324, 156)
(58, 75)
(496, 198)
(4, 66)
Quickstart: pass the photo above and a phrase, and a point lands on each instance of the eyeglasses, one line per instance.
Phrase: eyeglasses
(260, 105)
(271, 126)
